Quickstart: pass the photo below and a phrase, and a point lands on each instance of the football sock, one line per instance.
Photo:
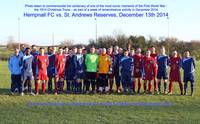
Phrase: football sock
(43, 87)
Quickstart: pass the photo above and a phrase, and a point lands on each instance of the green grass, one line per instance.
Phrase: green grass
(15, 109)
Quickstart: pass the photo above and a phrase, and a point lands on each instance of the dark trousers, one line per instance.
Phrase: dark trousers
(117, 80)
(50, 81)
(103, 80)
(91, 76)
(70, 85)
(16, 82)
(126, 80)
(27, 83)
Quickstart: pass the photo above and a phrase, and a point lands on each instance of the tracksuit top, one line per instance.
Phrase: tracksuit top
(15, 64)
(79, 63)
(51, 66)
(21, 53)
(116, 63)
(27, 65)
(35, 66)
(126, 64)
(188, 65)
(163, 62)
(69, 67)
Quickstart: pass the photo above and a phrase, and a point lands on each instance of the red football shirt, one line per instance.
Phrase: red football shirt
(60, 65)
(137, 65)
(154, 56)
(175, 68)
(149, 68)
(42, 62)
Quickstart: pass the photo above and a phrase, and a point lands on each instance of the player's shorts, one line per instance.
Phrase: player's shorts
(97, 75)
(137, 73)
(103, 79)
(69, 75)
(126, 77)
(110, 76)
(162, 75)
(91, 75)
(51, 72)
(188, 77)
(42, 76)
(60, 75)
(27, 77)
(175, 77)
(148, 77)
(80, 75)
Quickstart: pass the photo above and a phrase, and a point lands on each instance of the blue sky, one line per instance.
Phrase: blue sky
(184, 22)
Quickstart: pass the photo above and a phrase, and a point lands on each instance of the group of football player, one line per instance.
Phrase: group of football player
(95, 70)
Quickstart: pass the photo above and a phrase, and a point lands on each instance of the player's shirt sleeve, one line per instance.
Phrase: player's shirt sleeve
(110, 62)
(132, 66)
(47, 61)
(143, 66)
(37, 64)
(179, 64)
(23, 64)
(10, 64)
(75, 62)
(168, 61)
(194, 62)
(120, 66)
(154, 68)
(55, 60)
(97, 60)
(86, 61)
